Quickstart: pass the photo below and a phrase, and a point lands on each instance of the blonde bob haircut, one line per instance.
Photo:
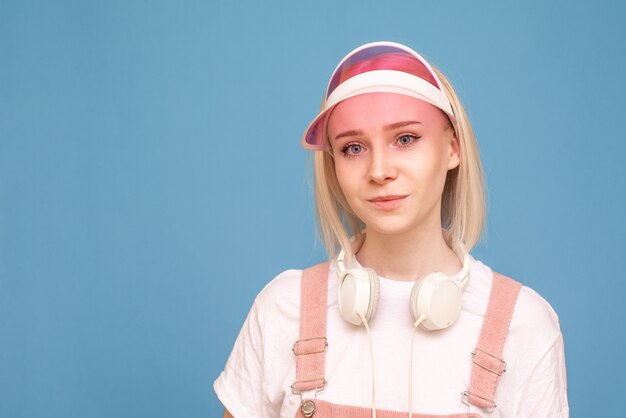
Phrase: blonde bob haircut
(463, 204)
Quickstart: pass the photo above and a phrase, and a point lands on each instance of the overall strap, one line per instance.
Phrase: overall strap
(487, 362)
(310, 349)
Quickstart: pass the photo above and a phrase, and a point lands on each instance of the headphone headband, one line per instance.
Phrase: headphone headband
(435, 300)
(457, 246)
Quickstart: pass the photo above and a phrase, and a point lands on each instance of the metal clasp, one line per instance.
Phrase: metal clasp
(497, 371)
(465, 399)
(307, 406)
(318, 389)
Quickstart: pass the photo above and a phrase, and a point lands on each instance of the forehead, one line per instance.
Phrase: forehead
(374, 110)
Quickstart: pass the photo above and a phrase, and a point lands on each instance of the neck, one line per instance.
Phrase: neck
(409, 256)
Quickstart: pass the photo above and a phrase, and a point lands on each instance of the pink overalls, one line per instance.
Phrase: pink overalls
(310, 350)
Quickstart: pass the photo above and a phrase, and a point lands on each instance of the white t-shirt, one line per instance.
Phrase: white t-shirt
(261, 368)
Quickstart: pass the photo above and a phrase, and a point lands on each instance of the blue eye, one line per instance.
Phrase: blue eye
(352, 149)
(406, 140)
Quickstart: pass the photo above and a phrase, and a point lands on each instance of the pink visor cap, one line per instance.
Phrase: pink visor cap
(378, 67)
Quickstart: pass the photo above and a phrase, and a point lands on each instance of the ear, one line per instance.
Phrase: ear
(454, 152)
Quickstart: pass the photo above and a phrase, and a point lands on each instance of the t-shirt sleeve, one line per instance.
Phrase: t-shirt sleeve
(240, 386)
(261, 365)
(535, 384)
(544, 392)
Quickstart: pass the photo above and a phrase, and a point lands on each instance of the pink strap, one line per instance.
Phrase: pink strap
(310, 349)
(487, 361)
(327, 409)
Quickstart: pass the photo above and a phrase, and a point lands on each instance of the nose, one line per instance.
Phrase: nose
(382, 168)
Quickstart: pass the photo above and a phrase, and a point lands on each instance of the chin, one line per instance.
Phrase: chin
(389, 227)
(396, 223)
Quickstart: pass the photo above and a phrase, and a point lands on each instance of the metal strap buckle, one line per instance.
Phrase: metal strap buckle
(466, 395)
(302, 347)
(497, 370)
(308, 406)
(318, 388)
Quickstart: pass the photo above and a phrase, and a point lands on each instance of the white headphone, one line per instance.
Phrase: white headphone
(435, 297)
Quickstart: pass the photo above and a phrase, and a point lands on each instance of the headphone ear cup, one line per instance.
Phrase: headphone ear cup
(374, 294)
(438, 297)
(358, 292)
(413, 306)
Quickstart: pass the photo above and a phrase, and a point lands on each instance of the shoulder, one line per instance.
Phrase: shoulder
(534, 330)
(282, 294)
(531, 309)
(534, 313)
(534, 326)
(285, 283)
(534, 333)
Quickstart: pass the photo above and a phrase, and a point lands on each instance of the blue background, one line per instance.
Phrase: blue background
(152, 181)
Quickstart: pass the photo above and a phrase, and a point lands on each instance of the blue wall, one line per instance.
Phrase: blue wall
(152, 181)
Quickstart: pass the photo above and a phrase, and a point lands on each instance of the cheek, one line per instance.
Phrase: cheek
(439, 159)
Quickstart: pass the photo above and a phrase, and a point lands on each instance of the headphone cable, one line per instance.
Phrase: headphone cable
(421, 318)
(369, 336)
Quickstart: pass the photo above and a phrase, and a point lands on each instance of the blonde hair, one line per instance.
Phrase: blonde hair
(463, 203)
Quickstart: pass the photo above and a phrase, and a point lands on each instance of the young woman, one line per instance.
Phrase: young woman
(402, 321)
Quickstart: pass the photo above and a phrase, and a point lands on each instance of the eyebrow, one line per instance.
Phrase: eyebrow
(400, 124)
(388, 127)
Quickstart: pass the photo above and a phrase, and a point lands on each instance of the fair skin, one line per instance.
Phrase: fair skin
(392, 154)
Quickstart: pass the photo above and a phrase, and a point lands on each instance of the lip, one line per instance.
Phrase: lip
(388, 202)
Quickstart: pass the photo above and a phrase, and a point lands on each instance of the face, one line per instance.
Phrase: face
(392, 154)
